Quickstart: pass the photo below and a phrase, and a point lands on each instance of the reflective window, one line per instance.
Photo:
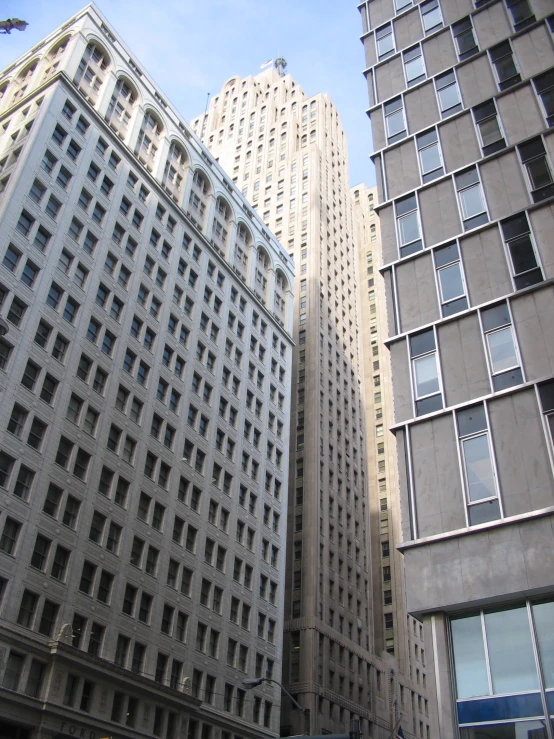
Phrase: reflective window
(427, 390)
(479, 475)
(464, 36)
(450, 100)
(450, 279)
(385, 41)
(544, 85)
(504, 64)
(431, 15)
(407, 219)
(471, 198)
(430, 159)
(488, 125)
(501, 347)
(414, 66)
(539, 172)
(497, 671)
(522, 256)
(394, 120)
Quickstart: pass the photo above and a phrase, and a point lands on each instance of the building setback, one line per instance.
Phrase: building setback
(145, 397)
(461, 111)
(287, 153)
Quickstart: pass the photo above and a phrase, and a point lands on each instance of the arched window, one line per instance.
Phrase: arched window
(221, 224)
(197, 199)
(175, 170)
(281, 287)
(91, 72)
(262, 268)
(23, 80)
(149, 139)
(53, 58)
(121, 106)
(242, 249)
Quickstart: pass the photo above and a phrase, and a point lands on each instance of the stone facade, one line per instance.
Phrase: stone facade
(145, 391)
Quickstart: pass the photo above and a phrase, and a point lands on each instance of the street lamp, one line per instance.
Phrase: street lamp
(253, 682)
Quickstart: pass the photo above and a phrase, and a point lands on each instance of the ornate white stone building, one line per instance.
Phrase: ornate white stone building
(145, 391)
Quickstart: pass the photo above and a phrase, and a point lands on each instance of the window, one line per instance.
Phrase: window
(414, 67)
(521, 251)
(538, 169)
(450, 279)
(544, 85)
(385, 41)
(407, 221)
(503, 61)
(464, 36)
(427, 387)
(430, 159)
(431, 16)
(479, 475)
(471, 198)
(522, 15)
(448, 92)
(16, 312)
(504, 363)
(488, 125)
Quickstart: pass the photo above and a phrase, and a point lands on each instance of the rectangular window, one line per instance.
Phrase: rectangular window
(407, 221)
(414, 66)
(521, 251)
(488, 125)
(464, 36)
(503, 61)
(471, 198)
(522, 15)
(425, 369)
(502, 354)
(448, 93)
(544, 85)
(450, 278)
(538, 169)
(478, 468)
(430, 158)
(385, 41)
(431, 16)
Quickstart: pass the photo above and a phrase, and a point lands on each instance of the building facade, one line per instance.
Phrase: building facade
(145, 391)
(287, 153)
(461, 110)
(395, 632)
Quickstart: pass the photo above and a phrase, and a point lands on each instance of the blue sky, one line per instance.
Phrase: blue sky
(190, 47)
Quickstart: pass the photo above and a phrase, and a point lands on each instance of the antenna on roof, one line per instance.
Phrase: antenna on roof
(280, 66)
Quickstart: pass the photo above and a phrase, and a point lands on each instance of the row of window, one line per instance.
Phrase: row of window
(521, 252)
(503, 358)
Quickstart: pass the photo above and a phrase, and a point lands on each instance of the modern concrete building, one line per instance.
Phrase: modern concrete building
(461, 111)
(145, 392)
(394, 631)
(287, 152)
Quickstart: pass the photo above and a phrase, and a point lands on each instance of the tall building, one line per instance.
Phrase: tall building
(145, 392)
(394, 631)
(461, 111)
(287, 153)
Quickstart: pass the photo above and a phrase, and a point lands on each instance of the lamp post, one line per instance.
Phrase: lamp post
(253, 682)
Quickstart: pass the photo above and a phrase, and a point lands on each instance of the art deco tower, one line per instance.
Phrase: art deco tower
(287, 153)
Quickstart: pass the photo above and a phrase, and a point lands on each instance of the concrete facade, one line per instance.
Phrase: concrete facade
(145, 392)
(461, 115)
